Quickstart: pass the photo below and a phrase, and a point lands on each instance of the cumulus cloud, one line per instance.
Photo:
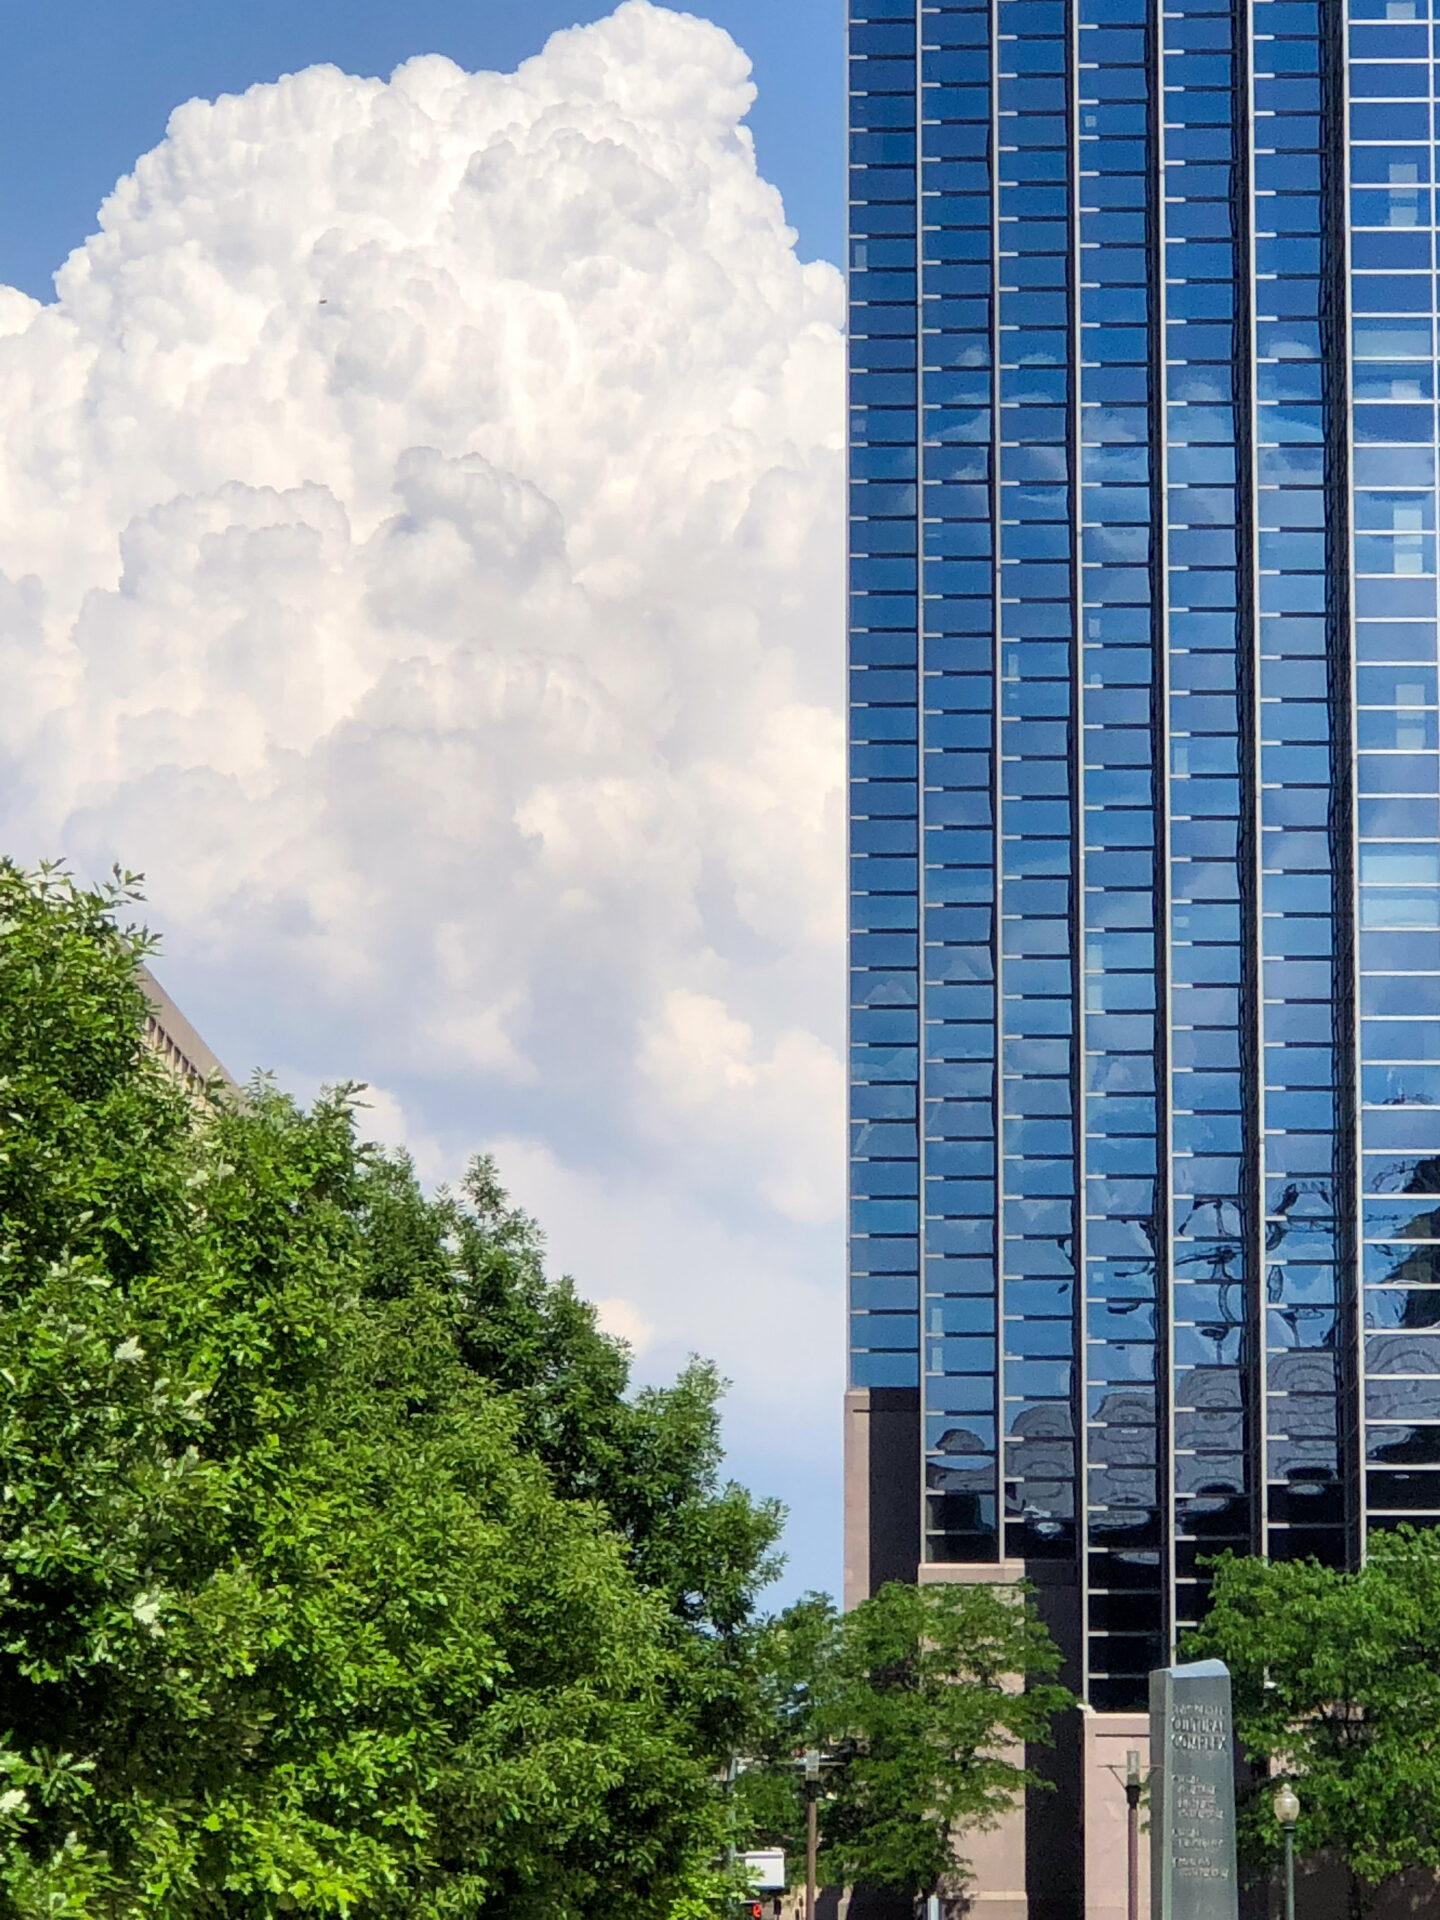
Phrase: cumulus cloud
(420, 524)
(763, 1297)
(625, 1321)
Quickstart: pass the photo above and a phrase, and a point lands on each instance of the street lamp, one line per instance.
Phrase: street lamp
(1286, 1805)
(812, 1794)
(1133, 1786)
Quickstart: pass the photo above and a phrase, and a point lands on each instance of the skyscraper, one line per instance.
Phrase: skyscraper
(1145, 957)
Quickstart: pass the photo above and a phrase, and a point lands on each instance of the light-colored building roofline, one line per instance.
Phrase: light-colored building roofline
(176, 1041)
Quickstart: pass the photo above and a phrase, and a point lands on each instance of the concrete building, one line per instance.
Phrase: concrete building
(176, 1041)
(1145, 798)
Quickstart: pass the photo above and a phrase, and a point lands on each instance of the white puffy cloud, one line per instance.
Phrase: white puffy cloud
(777, 1114)
(763, 1298)
(420, 522)
(625, 1321)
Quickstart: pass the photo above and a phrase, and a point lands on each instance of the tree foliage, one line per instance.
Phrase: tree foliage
(340, 1570)
(1336, 1682)
(650, 1459)
(791, 1664)
(919, 1698)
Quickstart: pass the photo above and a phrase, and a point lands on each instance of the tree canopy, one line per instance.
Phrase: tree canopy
(341, 1569)
(651, 1459)
(919, 1698)
(1336, 1681)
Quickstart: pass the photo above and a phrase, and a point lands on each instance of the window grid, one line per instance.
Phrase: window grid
(1391, 160)
(1145, 738)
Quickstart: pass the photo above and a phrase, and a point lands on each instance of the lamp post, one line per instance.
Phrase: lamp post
(812, 1794)
(1133, 1785)
(1286, 1805)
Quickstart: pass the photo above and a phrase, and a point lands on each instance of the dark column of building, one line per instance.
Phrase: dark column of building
(1390, 87)
(958, 778)
(1302, 735)
(1339, 1478)
(1209, 783)
(1122, 750)
(884, 704)
(1055, 1816)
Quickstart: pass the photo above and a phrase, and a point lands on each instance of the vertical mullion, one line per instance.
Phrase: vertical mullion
(1079, 1380)
(1248, 637)
(1349, 1254)
(921, 1130)
(996, 724)
(850, 783)
(1160, 640)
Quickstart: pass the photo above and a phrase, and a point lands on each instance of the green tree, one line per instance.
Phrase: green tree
(306, 1605)
(1336, 1682)
(651, 1459)
(791, 1663)
(919, 1697)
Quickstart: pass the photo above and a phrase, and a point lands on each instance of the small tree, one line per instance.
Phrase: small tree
(792, 1656)
(1337, 1686)
(919, 1697)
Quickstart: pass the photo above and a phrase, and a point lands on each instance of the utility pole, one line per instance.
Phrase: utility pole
(812, 1796)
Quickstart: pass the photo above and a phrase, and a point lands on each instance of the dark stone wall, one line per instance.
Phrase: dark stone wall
(874, 1903)
(895, 1491)
(1054, 1818)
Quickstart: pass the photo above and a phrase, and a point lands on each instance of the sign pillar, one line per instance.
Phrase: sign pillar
(1192, 1794)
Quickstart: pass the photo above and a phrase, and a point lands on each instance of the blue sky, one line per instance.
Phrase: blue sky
(87, 85)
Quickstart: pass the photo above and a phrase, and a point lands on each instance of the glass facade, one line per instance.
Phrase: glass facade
(1145, 850)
